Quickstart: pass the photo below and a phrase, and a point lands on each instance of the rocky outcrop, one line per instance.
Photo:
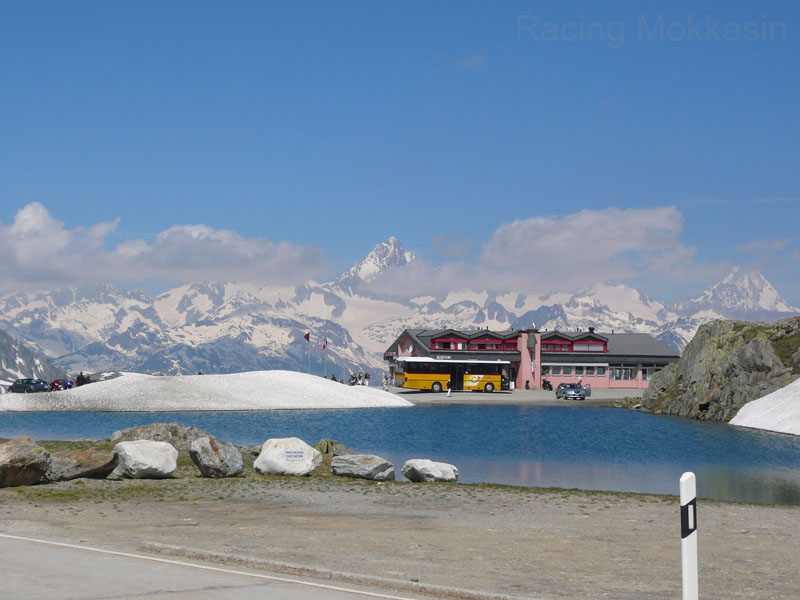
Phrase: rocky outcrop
(216, 459)
(92, 463)
(423, 470)
(362, 466)
(22, 462)
(179, 436)
(287, 456)
(145, 459)
(332, 447)
(726, 365)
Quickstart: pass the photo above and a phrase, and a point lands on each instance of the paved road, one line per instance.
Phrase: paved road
(40, 570)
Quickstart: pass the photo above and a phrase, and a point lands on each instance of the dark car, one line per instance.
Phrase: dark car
(28, 386)
(570, 391)
(62, 384)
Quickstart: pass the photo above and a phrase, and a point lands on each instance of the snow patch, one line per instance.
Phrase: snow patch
(778, 411)
(256, 390)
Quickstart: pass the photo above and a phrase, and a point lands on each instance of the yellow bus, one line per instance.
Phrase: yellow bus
(423, 373)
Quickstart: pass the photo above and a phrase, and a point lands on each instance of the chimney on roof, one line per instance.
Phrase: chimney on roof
(591, 329)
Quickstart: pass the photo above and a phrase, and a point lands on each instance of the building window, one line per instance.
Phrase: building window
(545, 369)
(485, 345)
(649, 370)
(579, 371)
(449, 345)
(590, 371)
(586, 347)
(622, 372)
(511, 345)
(566, 370)
(565, 347)
(555, 370)
(601, 371)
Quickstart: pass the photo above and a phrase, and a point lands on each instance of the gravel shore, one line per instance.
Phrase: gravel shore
(450, 540)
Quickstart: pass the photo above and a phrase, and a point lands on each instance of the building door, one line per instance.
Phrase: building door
(457, 377)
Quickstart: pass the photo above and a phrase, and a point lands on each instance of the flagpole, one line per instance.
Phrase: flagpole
(325, 360)
(309, 353)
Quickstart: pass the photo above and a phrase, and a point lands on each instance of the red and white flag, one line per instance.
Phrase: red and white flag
(307, 336)
(325, 343)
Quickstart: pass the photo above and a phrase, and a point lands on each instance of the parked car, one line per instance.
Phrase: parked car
(570, 391)
(27, 386)
(61, 384)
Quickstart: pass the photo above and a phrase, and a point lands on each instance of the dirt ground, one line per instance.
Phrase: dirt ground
(482, 540)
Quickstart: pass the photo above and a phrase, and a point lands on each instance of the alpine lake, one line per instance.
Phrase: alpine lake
(584, 447)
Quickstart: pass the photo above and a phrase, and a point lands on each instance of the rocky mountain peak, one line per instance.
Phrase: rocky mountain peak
(383, 257)
(743, 291)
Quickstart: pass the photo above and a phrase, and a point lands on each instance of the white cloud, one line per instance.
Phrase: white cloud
(565, 253)
(575, 251)
(536, 255)
(39, 252)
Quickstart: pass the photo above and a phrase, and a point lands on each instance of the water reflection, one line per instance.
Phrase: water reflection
(766, 486)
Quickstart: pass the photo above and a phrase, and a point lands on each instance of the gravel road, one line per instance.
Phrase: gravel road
(451, 540)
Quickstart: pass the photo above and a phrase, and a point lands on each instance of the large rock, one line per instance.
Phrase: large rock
(179, 436)
(22, 462)
(216, 459)
(145, 459)
(726, 365)
(287, 456)
(93, 463)
(362, 466)
(328, 446)
(422, 470)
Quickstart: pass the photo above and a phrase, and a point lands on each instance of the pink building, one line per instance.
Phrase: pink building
(600, 360)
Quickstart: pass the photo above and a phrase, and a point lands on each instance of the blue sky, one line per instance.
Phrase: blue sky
(548, 144)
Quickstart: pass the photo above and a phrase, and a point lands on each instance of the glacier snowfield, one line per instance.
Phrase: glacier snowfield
(778, 411)
(256, 390)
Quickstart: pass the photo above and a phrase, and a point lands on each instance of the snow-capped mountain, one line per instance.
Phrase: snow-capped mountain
(742, 294)
(227, 327)
(18, 361)
(384, 257)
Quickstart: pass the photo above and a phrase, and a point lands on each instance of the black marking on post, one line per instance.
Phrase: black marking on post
(686, 530)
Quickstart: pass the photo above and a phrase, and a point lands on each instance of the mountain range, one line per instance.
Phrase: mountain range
(233, 327)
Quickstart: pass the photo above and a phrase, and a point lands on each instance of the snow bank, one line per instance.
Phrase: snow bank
(257, 390)
(778, 411)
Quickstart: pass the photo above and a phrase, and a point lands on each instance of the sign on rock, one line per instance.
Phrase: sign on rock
(293, 454)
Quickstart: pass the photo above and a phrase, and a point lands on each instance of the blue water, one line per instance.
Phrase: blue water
(573, 447)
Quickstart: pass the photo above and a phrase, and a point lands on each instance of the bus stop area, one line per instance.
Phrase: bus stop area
(599, 397)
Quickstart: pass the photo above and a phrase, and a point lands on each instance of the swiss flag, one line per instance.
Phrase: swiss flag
(307, 336)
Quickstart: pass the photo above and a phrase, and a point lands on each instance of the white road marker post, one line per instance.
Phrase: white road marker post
(689, 536)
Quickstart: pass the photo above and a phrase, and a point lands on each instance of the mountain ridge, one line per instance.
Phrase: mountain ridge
(229, 327)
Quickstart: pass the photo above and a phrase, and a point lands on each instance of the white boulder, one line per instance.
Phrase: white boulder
(145, 459)
(423, 470)
(287, 456)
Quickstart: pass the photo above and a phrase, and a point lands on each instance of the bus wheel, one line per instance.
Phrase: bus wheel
(489, 387)
(436, 387)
